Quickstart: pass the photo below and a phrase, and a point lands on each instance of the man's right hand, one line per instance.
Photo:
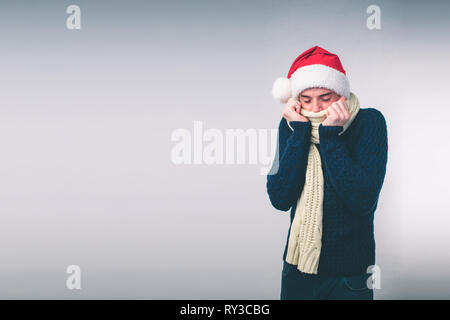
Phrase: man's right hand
(291, 111)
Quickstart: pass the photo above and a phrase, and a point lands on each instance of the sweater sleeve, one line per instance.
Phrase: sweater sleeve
(357, 176)
(287, 176)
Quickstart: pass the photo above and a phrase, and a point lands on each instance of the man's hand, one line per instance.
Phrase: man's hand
(291, 111)
(337, 113)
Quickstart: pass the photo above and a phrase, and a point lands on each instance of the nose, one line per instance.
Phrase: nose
(316, 106)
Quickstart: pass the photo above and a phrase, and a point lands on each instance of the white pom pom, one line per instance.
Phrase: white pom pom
(281, 89)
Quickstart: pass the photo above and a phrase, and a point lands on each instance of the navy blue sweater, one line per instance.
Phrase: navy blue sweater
(354, 167)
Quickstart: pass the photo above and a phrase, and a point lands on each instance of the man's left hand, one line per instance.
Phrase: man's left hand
(337, 113)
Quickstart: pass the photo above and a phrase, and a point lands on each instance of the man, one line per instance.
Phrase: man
(329, 169)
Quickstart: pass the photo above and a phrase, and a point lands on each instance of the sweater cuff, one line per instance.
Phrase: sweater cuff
(329, 131)
(301, 130)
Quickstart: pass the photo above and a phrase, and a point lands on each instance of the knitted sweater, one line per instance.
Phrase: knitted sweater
(354, 167)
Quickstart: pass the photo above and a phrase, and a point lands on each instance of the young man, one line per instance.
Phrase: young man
(329, 169)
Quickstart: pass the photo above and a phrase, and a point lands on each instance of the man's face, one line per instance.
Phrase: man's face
(317, 99)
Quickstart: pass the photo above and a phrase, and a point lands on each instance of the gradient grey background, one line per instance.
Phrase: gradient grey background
(86, 120)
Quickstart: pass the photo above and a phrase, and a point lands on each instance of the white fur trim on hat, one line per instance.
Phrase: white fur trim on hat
(319, 75)
(281, 89)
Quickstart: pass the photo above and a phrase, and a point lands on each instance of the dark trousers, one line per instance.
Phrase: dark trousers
(296, 285)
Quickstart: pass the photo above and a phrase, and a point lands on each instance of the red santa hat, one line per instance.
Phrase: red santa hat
(316, 67)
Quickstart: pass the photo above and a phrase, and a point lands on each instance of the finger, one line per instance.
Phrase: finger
(337, 107)
(344, 102)
(289, 110)
(345, 110)
(332, 113)
(340, 114)
(344, 105)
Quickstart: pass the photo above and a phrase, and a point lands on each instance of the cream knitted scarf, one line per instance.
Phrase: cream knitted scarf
(305, 239)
